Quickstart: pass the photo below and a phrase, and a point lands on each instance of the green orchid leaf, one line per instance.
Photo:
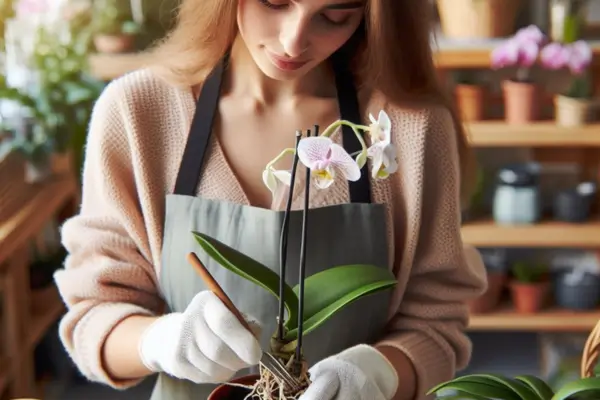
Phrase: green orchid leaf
(250, 269)
(330, 290)
(517, 389)
(479, 390)
(538, 386)
(581, 387)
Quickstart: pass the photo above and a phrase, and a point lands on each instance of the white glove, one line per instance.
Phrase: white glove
(358, 373)
(204, 344)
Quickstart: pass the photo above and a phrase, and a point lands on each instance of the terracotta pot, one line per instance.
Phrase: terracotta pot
(521, 102)
(529, 298)
(573, 112)
(228, 392)
(61, 163)
(470, 100)
(470, 19)
(112, 44)
(490, 299)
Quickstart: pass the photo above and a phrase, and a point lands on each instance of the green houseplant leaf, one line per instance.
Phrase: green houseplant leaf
(508, 389)
(322, 298)
(580, 388)
(479, 390)
(539, 387)
(249, 269)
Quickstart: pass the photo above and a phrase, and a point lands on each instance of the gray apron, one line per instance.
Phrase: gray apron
(352, 233)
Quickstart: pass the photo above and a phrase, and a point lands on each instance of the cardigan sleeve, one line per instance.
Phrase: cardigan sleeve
(429, 318)
(107, 275)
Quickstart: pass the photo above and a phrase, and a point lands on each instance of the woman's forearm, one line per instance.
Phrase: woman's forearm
(120, 352)
(407, 377)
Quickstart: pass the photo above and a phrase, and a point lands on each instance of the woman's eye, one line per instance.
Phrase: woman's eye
(336, 19)
(275, 5)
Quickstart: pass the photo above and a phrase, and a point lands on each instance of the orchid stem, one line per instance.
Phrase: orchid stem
(283, 244)
(303, 257)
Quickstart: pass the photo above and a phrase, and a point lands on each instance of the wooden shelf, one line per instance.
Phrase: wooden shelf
(47, 307)
(27, 223)
(540, 134)
(548, 320)
(477, 53)
(486, 233)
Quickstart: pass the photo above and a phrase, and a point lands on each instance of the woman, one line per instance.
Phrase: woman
(231, 85)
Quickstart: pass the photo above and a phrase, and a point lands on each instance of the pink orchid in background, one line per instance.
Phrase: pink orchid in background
(325, 159)
(575, 56)
(522, 50)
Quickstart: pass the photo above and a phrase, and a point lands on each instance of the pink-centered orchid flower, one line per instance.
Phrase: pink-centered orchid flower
(325, 159)
(522, 50)
(575, 56)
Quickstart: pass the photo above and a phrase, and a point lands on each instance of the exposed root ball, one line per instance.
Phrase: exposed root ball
(269, 387)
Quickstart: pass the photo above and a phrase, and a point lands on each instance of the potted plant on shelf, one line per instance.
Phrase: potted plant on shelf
(115, 30)
(474, 19)
(575, 106)
(470, 96)
(523, 387)
(529, 287)
(521, 94)
(308, 305)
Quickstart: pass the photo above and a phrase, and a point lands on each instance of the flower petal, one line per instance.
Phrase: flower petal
(507, 54)
(313, 150)
(390, 159)
(554, 56)
(269, 180)
(344, 162)
(283, 176)
(376, 154)
(386, 125)
(528, 54)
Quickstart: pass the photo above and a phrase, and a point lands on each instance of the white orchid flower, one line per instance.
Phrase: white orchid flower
(384, 160)
(274, 178)
(380, 128)
(325, 159)
(382, 151)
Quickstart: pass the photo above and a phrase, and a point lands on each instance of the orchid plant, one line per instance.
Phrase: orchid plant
(326, 159)
(305, 307)
(521, 51)
(576, 57)
(524, 387)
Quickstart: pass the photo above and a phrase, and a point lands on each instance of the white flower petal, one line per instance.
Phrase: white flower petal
(283, 176)
(390, 159)
(312, 150)
(344, 162)
(386, 124)
(376, 154)
(269, 180)
(372, 118)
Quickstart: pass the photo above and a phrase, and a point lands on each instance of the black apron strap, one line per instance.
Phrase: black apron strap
(360, 191)
(190, 170)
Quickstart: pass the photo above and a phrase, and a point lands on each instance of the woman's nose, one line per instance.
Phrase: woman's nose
(293, 35)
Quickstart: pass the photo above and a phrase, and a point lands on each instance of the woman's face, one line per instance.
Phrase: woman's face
(287, 38)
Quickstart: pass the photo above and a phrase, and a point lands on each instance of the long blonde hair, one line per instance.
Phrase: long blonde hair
(397, 62)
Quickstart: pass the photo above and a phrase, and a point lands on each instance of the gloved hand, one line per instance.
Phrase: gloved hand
(204, 344)
(358, 373)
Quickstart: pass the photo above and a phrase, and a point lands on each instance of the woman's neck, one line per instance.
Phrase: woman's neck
(246, 78)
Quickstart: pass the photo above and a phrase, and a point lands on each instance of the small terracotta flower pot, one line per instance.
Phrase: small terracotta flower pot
(490, 299)
(229, 392)
(521, 102)
(470, 100)
(573, 112)
(529, 298)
